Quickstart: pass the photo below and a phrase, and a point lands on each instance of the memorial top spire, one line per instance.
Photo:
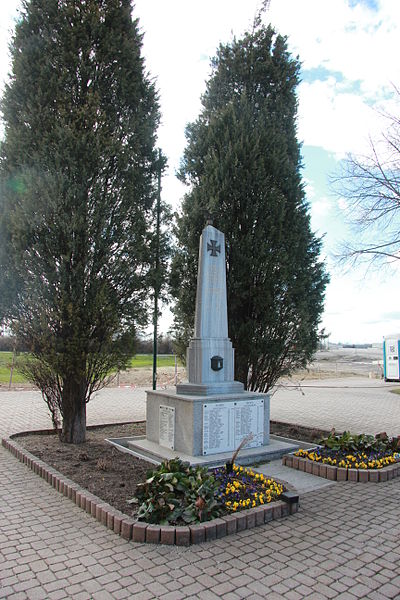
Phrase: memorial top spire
(210, 356)
(211, 320)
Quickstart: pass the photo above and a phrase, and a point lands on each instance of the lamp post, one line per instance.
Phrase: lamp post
(156, 278)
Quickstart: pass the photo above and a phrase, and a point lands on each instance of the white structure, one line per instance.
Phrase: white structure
(391, 354)
(208, 416)
(210, 356)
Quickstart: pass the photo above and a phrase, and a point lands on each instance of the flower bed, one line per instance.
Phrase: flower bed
(350, 457)
(243, 488)
(357, 460)
(139, 531)
(175, 493)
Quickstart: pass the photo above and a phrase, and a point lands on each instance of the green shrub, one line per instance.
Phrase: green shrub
(177, 493)
(347, 442)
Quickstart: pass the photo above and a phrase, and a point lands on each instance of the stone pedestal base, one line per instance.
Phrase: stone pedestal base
(207, 389)
(154, 453)
(189, 411)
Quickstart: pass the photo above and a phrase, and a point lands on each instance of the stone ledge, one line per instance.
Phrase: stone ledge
(334, 473)
(138, 531)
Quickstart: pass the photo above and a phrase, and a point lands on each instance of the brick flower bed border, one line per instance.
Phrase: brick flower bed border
(139, 531)
(334, 473)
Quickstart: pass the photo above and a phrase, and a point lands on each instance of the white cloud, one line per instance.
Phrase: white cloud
(180, 37)
(321, 207)
(357, 41)
(8, 16)
(321, 214)
(342, 204)
(309, 188)
(361, 309)
(337, 122)
(360, 47)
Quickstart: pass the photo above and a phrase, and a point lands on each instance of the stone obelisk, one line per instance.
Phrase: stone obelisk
(210, 414)
(210, 356)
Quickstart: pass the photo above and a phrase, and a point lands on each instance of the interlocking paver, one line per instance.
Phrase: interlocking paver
(376, 595)
(343, 542)
(324, 590)
(57, 595)
(340, 403)
(389, 591)
(121, 594)
(229, 596)
(292, 595)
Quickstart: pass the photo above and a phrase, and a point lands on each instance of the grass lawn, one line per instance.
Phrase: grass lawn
(5, 368)
(138, 361)
(146, 360)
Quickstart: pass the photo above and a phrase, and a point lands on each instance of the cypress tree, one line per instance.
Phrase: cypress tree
(242, 164)
(78, 185)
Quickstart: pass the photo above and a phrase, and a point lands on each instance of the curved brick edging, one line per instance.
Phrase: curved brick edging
(139, 531)
(334, 473)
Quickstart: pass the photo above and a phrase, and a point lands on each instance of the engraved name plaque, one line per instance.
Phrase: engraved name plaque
(167, 427)
(225, 424)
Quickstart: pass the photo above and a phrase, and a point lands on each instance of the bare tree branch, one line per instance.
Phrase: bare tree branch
(370, 186)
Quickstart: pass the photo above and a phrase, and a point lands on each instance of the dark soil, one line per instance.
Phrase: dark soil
(95, 465)
(108, 473)
(298, 432)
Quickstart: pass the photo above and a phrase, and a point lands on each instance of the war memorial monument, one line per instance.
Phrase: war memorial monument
(208, 416)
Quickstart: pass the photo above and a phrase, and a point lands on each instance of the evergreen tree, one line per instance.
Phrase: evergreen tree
(243, 165)
(78, 170)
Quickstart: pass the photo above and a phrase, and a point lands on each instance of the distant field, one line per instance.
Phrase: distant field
(137, 362)
(146, 360)
(5, 368)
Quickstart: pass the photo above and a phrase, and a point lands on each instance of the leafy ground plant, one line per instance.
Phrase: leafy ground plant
(356, 451)
(177, 493)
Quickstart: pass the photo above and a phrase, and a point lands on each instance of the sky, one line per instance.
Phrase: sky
(349, 54)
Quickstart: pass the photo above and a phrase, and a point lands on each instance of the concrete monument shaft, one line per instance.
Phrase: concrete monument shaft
(211, 318)
(210, 356)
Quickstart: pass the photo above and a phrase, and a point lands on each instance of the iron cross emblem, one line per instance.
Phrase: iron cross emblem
(214, 247)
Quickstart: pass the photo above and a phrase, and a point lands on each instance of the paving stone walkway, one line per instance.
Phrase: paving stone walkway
(343, 543)
(360, 404)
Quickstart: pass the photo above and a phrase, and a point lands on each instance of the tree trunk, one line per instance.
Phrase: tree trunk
(74, 412)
